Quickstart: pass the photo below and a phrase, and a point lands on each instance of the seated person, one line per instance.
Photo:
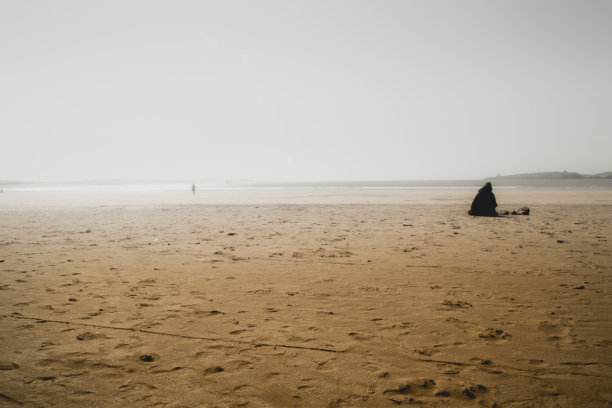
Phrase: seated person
(484, 203)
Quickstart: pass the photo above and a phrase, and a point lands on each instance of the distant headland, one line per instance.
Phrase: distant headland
(554, 175)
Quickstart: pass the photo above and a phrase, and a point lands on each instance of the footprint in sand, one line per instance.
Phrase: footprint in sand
(213, 370)
(6, 366)
(349, 401)
(412, 387)
(359, 336)
(149, 358)
(89, 336)
(45, 345)
(456, 304)
(272, 375)
(137, 387)
(555, 332)
(205, 313)
(487, 365)
(403, 325)
(238, 364)
(409, 391)
(428, 351)
(7, 399)
(324, 365)
(495, 334)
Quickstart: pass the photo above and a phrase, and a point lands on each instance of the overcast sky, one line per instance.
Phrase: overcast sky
(303, 90)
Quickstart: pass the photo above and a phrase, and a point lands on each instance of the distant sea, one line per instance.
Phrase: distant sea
(262, 186)
(19, 196)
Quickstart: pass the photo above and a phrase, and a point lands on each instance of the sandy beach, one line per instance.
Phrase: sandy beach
(299, 299)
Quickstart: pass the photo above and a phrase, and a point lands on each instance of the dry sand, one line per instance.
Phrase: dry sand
(309, 305)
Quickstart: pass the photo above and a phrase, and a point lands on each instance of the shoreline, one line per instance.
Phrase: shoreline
(507, 197)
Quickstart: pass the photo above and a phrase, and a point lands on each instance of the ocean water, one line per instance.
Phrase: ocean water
(71, 195)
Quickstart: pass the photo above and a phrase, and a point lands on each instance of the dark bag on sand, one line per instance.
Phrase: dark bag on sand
(522, 211)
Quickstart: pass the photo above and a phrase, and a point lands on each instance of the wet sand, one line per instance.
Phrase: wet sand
(351, 299)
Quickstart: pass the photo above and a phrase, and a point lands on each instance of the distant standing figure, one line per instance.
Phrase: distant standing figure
(193, 188)
(484, 203)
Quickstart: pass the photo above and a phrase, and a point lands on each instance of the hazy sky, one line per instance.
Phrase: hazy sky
(303, 90)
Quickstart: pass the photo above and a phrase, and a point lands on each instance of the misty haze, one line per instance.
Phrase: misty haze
(273, 90)
(305, 203)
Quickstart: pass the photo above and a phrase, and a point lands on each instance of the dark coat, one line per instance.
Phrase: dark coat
(484, 203)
